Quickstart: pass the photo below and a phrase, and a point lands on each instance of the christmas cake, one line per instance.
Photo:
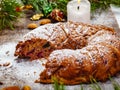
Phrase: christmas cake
(75, 52)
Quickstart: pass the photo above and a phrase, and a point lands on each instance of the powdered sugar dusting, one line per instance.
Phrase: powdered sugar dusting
(59, 55)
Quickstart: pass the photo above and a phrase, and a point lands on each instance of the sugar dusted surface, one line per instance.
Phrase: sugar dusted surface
(61, 54)
(40, 32)
(43, 32)
(106, 35)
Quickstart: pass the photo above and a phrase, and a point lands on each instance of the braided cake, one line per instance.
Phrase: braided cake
(75, 52)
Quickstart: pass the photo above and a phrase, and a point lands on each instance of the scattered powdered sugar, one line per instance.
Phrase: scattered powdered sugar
(18, 71)
(8, 49)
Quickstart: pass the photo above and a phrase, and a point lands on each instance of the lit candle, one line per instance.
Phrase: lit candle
(78, 11)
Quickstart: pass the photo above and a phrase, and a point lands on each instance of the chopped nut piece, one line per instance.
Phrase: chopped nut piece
(32, 26)
(45, 21)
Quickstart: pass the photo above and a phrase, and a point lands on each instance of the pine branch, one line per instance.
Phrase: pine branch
(103, 4)
(9, 12)
(115, 84)
(95, 85)
(57, 85)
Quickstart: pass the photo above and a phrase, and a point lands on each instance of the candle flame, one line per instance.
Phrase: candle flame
(79, 1)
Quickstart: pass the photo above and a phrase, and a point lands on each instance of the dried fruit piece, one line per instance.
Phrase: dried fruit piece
(46, 45)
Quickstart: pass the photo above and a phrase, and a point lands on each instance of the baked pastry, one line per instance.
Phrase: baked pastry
(77, 52)
(71, 67)
(42, 41)
(97, 60)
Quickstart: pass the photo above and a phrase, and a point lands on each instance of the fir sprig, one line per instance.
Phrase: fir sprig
(115, 84)
(103, 4)
(9, 13)
(81, 87)
(94, 84)
(57, 85)
(39, 6)
(46, 6)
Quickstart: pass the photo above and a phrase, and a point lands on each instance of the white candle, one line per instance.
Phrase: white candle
(78, 11)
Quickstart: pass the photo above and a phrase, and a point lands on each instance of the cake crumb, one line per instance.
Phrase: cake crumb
(1, 83)
(7, 52)
(6, 64)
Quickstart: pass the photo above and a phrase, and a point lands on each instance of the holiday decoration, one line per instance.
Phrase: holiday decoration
(57, 15)
(78, 11)
(10, 11)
